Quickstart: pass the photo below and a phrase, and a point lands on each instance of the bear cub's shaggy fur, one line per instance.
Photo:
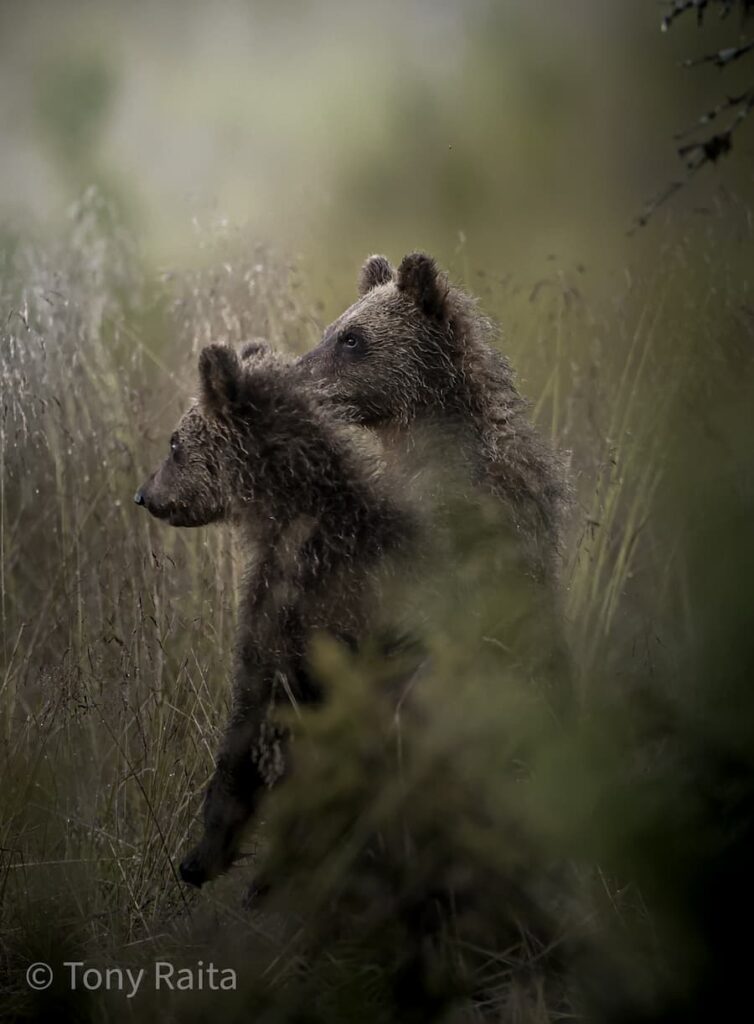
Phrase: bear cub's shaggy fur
(258, 451)
(333, 469)
(414, 356)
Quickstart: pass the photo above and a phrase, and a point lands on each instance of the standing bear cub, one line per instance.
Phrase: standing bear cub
(338, 470)
(413, 359)
(258, 451)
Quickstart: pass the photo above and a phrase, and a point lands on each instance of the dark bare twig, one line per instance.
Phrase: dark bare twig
(680, 7)
(710, 150)
(722, 58)
(707, 150)
(727, 104)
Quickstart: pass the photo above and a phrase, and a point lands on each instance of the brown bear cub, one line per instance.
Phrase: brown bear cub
(341, 469)
(413, 358)
(257, 450)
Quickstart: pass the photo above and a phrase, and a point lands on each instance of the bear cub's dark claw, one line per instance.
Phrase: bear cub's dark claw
(192, 872)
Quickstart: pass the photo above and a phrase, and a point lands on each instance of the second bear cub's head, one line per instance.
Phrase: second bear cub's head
(203, 478)
(397, 350)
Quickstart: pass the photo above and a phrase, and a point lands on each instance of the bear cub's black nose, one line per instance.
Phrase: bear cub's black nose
(139, 498)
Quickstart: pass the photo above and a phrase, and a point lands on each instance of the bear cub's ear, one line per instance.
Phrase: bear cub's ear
(376, 271)
(420, 279)
(257, 348)
(219, 379)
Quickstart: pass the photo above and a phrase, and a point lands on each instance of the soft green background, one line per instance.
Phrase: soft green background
(526, 127)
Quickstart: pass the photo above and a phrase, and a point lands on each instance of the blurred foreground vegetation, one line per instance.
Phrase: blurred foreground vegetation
(599, 866)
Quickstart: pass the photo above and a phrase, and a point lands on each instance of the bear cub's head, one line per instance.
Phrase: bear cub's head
(395, 351)
(197, 482)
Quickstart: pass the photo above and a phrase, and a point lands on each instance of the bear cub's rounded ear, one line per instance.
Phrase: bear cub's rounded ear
(376, 271)
(419, 279)
(219, 379)
(256, 348)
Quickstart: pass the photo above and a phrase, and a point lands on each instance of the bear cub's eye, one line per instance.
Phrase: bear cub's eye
(352, 343)
(175, 444)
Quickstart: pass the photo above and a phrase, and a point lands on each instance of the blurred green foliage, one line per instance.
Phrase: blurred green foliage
(72, 105)
(339, 129)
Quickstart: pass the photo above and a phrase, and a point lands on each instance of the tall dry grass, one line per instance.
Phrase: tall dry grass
(116, 635)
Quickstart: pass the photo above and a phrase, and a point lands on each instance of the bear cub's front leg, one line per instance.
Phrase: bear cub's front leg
(258, 448)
